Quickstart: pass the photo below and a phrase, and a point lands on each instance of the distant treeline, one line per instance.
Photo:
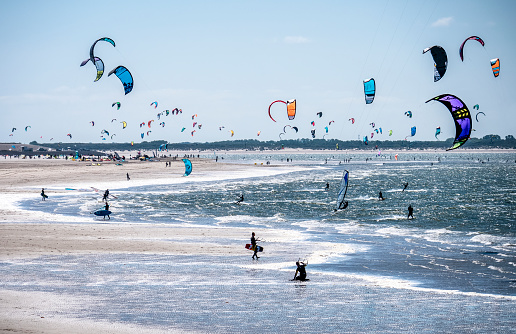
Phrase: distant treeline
(487, 142)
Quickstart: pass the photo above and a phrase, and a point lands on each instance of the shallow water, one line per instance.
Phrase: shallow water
(395, 274)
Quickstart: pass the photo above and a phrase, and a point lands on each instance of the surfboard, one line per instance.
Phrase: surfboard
(102, 213)
(250, 247)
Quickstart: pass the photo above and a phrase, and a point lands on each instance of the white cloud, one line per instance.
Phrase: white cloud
(296, 40)
(443, 22)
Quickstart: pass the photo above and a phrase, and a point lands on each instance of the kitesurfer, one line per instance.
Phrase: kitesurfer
(301, 270)
(405, 185)
(380, 196)
(327, 186)
(241, 199)
(106, 194)
(106, 207)
(410, 211)
(254, 246)
(43, 195)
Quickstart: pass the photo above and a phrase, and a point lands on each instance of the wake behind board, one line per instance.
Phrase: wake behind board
(102, 213)
(250, 247)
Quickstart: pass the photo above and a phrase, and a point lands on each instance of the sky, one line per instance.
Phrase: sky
(227, 61)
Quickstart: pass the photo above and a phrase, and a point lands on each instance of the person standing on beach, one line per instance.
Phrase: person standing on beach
(254, 246)
(106, 194)
(410, 212)
(43, 195)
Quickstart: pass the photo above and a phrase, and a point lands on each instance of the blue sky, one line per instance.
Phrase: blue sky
(226, 61)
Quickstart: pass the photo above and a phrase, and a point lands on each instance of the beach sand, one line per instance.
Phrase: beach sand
(24, 237)
(176, 282)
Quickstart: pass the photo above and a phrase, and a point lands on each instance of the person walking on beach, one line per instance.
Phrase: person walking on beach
(106, 194)
(106, 207)
(410, 211)
(43, 195)
(254, 246)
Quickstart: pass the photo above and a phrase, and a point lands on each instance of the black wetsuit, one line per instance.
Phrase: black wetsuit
(301, 270)
(255, 247)
(410, 212)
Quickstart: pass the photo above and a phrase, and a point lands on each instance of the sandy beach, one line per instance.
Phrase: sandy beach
(194, 272)
(24, 237)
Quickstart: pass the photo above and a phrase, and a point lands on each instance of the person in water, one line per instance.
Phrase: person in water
(106, 194)
(43, 195)
(301, 270)
(327, 186)
(241, 199)
(380, 196)
(254, 246)
(106, 207)
(410, 211)
(405, 185)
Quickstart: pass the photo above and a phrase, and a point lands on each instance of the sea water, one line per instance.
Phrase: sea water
(452, 267)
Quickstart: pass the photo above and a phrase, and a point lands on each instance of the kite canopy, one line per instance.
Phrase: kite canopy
(369, 90)
(461, 116)
(125, 77)
(437, 131)
(117, 104)
(105, 39)
(99, 65)
(291, 108)
(495, 65)
(461, 48)
(440, 61)
(408, 113)
(188, 167)
(476, 116)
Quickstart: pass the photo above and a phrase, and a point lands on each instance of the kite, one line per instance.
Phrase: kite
(192, 132)
(148, 132)
(352, 120)
(476, 116)
(13, 129)
(143, 134)
(142, 124)
(408, 113)
(292, 127)
(199, 126)
(149, 123)
(188, 167)
(331, 122)
(380, 130)
(28, 126)
(117, 104)
(313, 123)
(440, 61)
(461, 117)
(313, 133)
(258, 133)
(125, 77)
(476, 106)
(99, 64)
(105, 39)
(365, 140)
(155, 104)
(124, 124)
(372, 134)
(319, 114)
(232, 133)
(162, 124)
(92, 123)
(69, 135)
(114, 134)
(461, 48)
(437, 131)
(326, 128)
(193, 116)
(291, 108)
(221, 127)
(178, 111)
(372, 124)
(390, 132)
(114, 119)
(495, 65)
(104, 131)
(183, 129)
(369, 90)
(194, 124)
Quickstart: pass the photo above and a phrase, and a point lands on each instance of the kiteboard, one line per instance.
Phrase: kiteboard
(102, 213)
(250, 247)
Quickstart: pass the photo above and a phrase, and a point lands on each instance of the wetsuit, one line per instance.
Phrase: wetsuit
(301, 270)
(254, 247)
